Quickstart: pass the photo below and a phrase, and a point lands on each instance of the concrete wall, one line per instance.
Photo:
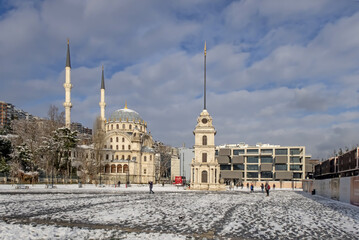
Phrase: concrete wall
(345, 189)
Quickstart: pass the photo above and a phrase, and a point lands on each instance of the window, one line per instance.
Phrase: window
(238, 166)
(119, 168)
(116, 157)
(123, 139)
(123, 157)
(252, 175)
(129, 157)
(144, 158)
(141, 128)
(107, 168)
(117, 126)
(130, 127)
(296, 167)
(252, 167)
(150, 157)
(216, 152)
(113, 157)
(87, 155)
(106, 156)
(204, 157)
(144, 171)
(295, 160)
(225, 167)
(125, 168)
(266, 175)
(295, 151)
(297, 175)
(123, 147)
(252, 150)
(110, 139)
(129, 147)
(116, 139)
(116, 147)
(111, 126)
(266, 159)
(267, 151)
(281, 151)
(204, 176)
(252, 159)
(105, 146)
(204, 140)
(238, 151)
(282, 167)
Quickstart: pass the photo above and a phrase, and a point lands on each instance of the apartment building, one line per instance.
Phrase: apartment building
(242, 163)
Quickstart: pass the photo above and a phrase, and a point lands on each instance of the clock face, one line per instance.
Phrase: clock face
(204, 120)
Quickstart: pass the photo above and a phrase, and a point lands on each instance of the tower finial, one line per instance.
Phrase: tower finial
(68, 62)
(126, 104)
(103, 79)
(204, 94)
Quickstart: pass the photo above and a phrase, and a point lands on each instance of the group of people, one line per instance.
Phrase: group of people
(265, 187)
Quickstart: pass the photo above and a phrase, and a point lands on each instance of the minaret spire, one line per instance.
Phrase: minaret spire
(68, 86)
(126, 104)
(102, 102)
(204, 95)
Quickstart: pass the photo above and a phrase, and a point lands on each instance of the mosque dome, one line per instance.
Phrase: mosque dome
(125, 114)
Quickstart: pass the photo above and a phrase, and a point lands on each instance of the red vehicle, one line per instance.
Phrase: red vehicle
(180, 180)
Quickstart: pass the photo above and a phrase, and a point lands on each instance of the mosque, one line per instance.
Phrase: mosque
(126, 151)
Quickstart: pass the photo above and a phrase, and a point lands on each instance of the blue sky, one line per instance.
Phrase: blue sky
(280, 72)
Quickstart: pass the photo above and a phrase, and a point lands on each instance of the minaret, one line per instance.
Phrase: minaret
(102, 102)
(68, 86)
(205, 168)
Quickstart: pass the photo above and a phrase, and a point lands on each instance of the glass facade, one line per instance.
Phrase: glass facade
(268, 159)
(252, 159)
(225, 167)
(238, 151)
(252, 150)
(295, 159)
(281, 151)
(267, 151)
(266, 175)
(295, 151)
(238, 166)
(296, 167)
(252, 175)
(297, 175)
(252, 167)
(281, 167)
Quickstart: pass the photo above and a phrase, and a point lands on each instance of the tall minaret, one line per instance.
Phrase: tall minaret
(102, 102)
(68, 86)
(205, 168)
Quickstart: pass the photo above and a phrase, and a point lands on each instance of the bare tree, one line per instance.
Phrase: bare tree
(99, 135)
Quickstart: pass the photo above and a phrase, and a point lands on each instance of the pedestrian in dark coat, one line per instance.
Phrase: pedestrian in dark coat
(119, 183)
(262, 187)
(267, 187)
(151, 186)
(252, 188)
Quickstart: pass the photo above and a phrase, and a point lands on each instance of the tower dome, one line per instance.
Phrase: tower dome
(125, 114)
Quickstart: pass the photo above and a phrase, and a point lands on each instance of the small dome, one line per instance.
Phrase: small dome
(124, 114)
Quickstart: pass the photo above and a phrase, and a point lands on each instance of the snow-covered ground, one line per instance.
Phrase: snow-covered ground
(69, 212)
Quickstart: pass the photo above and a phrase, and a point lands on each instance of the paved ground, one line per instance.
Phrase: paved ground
(175, 215)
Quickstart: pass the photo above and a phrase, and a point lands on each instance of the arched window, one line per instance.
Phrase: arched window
(111, 146)
(116, 147)
(129, 147)
(204, 176)
(204, 157)
(129, 157)
(150, 157)
(204, 140)
(144, 171)
(123, 147)
(116, 139)
(123, 139)
(111, 126)
(117, 126)
(107, 168)
(119, 168)
(125, 168)
(123, 126)
(144, 158)
(130, 126)
(113, 168)
(123, 157)
(116, 157)
(110, 139)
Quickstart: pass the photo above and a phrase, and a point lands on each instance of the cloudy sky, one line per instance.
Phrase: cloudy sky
(279, 72)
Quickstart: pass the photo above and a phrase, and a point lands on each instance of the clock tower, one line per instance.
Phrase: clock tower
(204, 167)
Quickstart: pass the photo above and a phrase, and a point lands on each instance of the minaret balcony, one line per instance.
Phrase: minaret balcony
(67, 85)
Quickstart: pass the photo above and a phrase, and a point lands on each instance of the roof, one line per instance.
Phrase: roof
(125, 114)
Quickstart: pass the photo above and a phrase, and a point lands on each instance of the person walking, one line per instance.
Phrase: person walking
(247, 185)
(267, 187)
(252, 188)
(262, 187)
(273, 186)
(151, 186)
(119, 183)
